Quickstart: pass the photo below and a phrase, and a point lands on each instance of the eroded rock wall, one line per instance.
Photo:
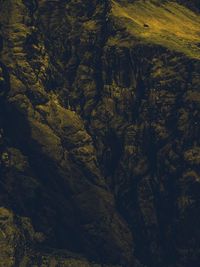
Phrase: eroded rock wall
(99, 139)
(49, 168)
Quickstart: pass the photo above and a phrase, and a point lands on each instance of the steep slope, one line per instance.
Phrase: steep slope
(99, 138)
(151, 95)
(169, 24)
(49, 170)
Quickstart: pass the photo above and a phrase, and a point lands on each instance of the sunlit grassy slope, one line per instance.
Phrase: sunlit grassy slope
(170, 25)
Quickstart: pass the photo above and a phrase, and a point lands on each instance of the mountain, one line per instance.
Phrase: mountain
(99, 133)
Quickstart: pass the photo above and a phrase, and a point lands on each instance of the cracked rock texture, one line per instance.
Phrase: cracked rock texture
(99, 136)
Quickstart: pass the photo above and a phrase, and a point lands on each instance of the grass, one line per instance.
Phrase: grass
(169, 24)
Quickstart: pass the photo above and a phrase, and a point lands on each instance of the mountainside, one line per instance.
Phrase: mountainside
(171, 25)
(99, 133)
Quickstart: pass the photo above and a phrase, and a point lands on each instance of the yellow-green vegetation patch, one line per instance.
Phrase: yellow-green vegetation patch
(90, 25)
(169, 24)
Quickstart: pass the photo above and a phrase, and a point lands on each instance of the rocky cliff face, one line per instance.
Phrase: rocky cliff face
(99, 133)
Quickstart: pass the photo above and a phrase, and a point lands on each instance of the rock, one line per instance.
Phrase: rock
(99, 144)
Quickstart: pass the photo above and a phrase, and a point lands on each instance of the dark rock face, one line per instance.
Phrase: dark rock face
(99, 141)
(195, 4)
(153, 179)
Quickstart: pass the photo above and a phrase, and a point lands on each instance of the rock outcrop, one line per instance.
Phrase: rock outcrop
(99, 133)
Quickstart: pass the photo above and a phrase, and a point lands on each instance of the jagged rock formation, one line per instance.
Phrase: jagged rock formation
(99, 133)
(17, 237)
